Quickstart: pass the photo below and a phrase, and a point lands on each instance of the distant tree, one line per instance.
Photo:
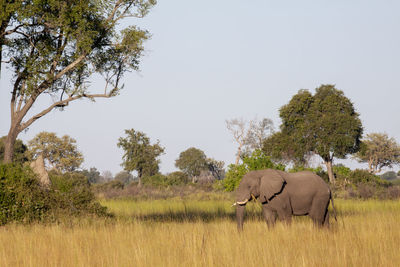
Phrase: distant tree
(139, 154)
(93, 175)
(258, 131)
(216, 168)
(20, 150)
(107, 176)
(124, 177)
(54, 47)
(379, 151)
(192, 161)
(325, 124)
(389, 175)
(61, 153)
(249, 136)
(237, 127)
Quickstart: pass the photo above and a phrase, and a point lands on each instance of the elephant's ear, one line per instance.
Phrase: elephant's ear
(271, 183)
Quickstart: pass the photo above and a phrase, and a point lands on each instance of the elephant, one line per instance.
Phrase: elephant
(285, 194)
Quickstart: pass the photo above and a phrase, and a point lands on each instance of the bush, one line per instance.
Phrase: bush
(155, 180)
(21, 198)
(177, 178)
(390, 175)
(71, 193)
(364, 177)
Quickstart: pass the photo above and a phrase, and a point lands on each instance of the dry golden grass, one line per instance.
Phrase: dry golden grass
(203, 233)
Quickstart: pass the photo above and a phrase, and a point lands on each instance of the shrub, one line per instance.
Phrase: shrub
(21, 198)
(71, 193)
(362, 177)
(155, 180)
(177, 178)
(390, 175)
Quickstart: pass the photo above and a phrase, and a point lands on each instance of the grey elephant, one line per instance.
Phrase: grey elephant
(285, 194)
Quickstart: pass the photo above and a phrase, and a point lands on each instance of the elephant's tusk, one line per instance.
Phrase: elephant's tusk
(242, 202)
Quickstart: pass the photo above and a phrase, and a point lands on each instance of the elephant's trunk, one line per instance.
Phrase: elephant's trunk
(239, 216)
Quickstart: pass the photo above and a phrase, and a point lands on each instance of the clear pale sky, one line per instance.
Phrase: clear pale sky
(209, 61)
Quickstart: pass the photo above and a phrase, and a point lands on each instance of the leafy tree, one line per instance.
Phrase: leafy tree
(54, 47)
(61, 153)
(257, 161)
(93, 175)
(139, 154)
(325, 124)
(379, 151)
(124, 177)
(20, 150)
(192, 161)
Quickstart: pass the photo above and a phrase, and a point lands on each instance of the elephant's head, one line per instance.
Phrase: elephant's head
(262, 184)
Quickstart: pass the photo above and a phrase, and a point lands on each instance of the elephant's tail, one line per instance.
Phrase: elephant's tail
(333, 207)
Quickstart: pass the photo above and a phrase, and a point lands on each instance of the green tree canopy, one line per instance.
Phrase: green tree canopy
(124, 177)
(379, 151)
(54, 47)
(139, 154)
(192, 161)
(325, 124)
(61, 153)
(93, 175)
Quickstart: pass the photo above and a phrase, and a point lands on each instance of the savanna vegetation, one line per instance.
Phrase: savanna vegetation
(55, 213)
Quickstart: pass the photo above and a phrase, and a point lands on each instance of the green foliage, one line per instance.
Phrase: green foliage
(124, 177)
(159, 180)
(192, 161)
(257, 161)
(364, 177)
(139, 154)
(325, 124)
(341, 171)
(20, 150)
(61, 153)
(177, 178)
(21, 198)
(93, 175)
(379, 151)
(390, 175)
(155, 180)
(54, 47)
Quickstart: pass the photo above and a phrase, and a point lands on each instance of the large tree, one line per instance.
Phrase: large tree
(192, 161)
(139, 154)
(325, 124)
(60, 153)
(379, 151)
(54, 47)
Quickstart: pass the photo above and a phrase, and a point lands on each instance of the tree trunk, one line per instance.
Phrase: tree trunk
(329, 169)
(9, 143)
(239, 153)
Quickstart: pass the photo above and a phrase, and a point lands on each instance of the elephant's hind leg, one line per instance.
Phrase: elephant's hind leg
(318, 212)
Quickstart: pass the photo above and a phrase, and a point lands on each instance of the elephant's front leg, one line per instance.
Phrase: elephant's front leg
(269, 215)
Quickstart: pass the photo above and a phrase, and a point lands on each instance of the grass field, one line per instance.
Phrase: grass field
(203, 233)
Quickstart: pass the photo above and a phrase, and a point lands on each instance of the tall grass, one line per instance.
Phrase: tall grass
(203, 233)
